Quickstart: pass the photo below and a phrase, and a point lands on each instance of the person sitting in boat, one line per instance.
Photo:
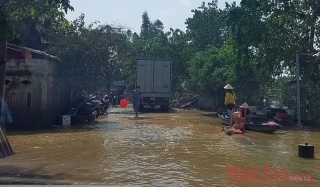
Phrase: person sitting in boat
(230, 98)
(242, 112)
(245, 110)
(238, 124)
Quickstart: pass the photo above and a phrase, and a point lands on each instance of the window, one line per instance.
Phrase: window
(7, 82)
(26, 82)
(29, 100)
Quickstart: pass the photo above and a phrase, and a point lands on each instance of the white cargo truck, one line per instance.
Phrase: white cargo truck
(154, 79)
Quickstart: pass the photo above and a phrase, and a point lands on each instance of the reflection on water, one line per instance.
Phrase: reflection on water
(185, 148)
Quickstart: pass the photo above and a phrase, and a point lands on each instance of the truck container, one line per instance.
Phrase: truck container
(154, 78)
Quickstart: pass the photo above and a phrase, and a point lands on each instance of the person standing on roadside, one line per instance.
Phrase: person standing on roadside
(135, 97)
(230, 99)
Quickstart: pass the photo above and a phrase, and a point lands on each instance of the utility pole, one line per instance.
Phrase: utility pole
(298, 89)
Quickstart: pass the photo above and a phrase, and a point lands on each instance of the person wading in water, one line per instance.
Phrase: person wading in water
(230, 99)
(136, 96)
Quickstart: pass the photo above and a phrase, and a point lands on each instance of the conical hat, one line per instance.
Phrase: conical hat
(228, 87)
(244, 105)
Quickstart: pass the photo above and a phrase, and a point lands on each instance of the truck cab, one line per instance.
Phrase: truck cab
(117, 90)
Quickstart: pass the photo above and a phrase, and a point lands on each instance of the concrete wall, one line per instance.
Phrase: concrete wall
(42, 99)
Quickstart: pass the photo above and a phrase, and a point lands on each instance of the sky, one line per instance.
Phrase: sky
(172, 13)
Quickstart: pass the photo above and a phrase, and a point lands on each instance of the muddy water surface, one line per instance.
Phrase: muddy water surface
(180, 148)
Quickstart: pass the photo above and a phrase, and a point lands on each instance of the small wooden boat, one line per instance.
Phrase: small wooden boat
(224, 116)
(267, 127)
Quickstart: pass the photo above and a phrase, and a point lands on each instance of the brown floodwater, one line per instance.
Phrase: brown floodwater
(180, 148)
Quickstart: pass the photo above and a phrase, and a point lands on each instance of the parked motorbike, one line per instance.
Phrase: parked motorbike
(102, 102)
(84, 110)
(94, 99)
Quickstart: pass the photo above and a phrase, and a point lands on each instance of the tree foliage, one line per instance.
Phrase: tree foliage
(18, 17)
(207, 26)
(247, 44)
(90, 54)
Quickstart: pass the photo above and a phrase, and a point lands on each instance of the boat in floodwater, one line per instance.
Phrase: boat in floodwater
(266, 127)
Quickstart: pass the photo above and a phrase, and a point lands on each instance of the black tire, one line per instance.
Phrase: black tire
(92, 116)
(141, 108)
(165, 108)
(95, 114)
(103, 111)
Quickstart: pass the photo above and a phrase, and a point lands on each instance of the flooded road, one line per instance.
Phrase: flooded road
(180, 148)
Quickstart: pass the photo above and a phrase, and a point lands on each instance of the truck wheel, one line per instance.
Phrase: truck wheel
(141, 108)
(165, 108)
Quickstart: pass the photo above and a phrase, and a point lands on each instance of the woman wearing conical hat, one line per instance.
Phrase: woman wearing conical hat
(246, 107)
(230, 98)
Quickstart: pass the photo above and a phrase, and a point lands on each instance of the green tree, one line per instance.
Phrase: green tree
(207, 26)
(90, 55)
(18, 17)
(152, 42)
